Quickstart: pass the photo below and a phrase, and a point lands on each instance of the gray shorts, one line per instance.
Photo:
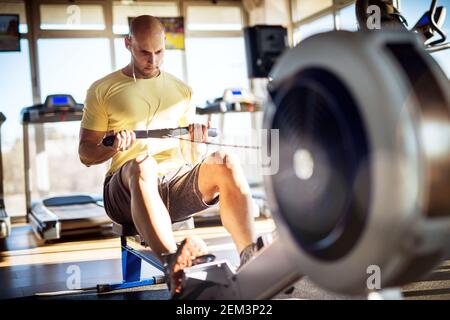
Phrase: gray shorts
(178, 190)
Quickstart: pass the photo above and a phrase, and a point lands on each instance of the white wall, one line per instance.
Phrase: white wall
(268, 12)
(277, 12)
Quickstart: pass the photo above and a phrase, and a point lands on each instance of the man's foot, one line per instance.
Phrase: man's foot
(247, 253)
(190, 252)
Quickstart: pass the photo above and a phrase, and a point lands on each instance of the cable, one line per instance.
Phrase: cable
(218, 144)
(149, 122)
(208, 143)
(134, 74)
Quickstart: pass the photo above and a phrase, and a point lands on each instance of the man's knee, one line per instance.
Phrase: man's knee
(143, 168)
(222, 171)
(224, 165)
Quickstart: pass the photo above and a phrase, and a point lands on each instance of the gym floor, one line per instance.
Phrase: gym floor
(32, 269)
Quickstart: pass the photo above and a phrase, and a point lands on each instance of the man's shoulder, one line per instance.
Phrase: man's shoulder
(184, 87)
(105, 81)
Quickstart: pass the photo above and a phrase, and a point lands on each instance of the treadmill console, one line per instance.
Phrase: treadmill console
(232, 100)
(240, 95)
(58, 101)
(56, 108)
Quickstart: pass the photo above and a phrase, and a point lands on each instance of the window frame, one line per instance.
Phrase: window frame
(43, 33)
(34, 32)
(334, 10)
(214, 33)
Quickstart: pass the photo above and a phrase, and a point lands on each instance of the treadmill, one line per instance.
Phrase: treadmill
(58, 217)
(5, 220)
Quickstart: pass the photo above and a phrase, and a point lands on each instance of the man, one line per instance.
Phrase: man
(150, 183)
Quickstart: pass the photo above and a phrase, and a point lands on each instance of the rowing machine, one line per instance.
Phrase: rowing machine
(364, 170)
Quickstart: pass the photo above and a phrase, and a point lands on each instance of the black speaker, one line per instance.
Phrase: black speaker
(263, 45)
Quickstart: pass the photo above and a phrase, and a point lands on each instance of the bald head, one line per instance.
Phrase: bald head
(146, 25)
(146, 43)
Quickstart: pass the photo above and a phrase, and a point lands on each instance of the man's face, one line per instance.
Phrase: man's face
(148, 52)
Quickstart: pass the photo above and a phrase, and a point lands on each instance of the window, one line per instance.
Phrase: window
(173, 63)
(320, 25)
(16, 7)
(15, 90)
(121, 12)
(305, 8)
(61, 160)
(215, 64)
(215, 50)
(347, 18)
(215, 54)
(72, 65)
(72, 17)
(214, 18)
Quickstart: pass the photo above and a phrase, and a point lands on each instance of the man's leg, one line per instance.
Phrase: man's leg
(221, 174)
(150, 215)
(152, 220)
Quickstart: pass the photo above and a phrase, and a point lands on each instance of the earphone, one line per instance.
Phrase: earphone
(129, 39)
(132, 61)
(134, 74)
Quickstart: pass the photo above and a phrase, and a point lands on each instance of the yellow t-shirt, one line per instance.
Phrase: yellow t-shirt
(116, 103)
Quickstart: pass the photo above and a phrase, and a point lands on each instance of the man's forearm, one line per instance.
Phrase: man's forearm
(91, 153)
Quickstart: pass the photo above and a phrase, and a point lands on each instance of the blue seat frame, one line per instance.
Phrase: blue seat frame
(132, 259)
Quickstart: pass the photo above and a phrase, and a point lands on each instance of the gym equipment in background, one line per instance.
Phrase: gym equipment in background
(57, 217)
(5, 220)
(232, 100)
(263, 45)
(429, 25)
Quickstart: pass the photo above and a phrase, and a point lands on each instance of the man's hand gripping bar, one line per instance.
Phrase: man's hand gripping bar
(158, 133)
